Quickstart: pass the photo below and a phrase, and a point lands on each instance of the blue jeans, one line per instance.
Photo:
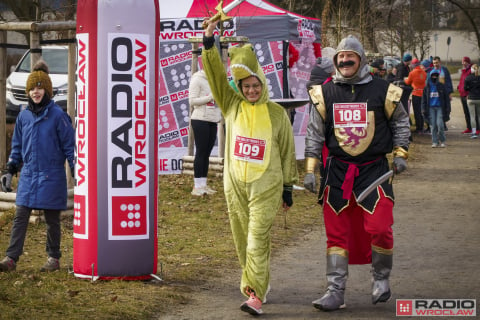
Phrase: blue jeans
(19, 232)
(437, 126)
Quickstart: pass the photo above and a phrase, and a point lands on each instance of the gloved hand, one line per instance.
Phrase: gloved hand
(287, 196)
(6, 181)
(309, 182)
(72, 171)
(12, 167)
(399, 165)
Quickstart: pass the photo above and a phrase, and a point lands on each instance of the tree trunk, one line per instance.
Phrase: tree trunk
(326, 14)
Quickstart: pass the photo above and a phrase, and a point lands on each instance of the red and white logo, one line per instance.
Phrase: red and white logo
(437, 307)
(80, 218)
(129, 217)
(404, 307)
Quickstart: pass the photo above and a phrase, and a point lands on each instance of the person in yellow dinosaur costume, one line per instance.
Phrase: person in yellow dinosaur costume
(260, 164)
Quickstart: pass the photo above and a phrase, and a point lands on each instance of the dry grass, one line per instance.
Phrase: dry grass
(194, 246)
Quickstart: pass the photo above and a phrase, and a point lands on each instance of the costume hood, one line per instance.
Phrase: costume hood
(243, 64)
(362, 75)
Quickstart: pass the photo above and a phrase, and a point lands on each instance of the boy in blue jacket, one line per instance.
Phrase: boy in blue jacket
(436, 107)
(42, 140)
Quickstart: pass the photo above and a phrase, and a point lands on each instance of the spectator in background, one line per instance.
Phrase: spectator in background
(417, 79)
(466, 70)
(42, 140)
(321, 72)
(472, 86)
(444, 75)
(445, 79)
(204, 119)
(378, 68)
(391, 74)
(426, 66)
(436, 103)
(403, 70)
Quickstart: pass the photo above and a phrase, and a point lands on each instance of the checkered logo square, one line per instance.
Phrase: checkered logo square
(404, 307)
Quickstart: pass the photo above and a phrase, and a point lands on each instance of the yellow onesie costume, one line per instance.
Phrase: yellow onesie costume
(259, 161)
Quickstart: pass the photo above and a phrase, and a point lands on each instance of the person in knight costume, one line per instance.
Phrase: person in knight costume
(260, 164)
(360, 119)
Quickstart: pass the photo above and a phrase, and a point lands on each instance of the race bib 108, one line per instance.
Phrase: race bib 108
(350, 115)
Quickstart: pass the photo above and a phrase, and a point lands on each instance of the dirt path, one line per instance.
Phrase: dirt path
(437, 245)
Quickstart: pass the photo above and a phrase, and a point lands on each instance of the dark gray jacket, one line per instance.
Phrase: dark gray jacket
(472, 86)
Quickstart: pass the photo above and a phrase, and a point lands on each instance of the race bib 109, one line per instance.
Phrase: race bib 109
(249, 149)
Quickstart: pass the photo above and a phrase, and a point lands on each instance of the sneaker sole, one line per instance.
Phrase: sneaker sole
(246, 308)
(320, 307)
(383, 298)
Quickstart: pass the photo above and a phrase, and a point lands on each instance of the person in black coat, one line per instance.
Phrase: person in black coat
(472, 85)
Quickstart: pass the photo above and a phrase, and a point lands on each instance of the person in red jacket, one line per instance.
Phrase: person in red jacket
(417, 79)
(467, 65)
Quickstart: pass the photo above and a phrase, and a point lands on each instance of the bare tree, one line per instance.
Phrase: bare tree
(40, 10)
(326, 14)
(467, 8)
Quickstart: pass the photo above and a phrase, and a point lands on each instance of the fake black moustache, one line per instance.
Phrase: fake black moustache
(346, 64)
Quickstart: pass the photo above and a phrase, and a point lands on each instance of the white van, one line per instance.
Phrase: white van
(56, 58)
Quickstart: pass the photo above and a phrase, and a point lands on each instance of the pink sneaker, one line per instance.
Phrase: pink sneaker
(253, 305)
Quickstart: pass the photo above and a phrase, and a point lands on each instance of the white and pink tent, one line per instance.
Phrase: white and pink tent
(286, 44)
(256, 19)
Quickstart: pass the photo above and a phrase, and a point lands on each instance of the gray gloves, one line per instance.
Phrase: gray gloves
(6, 182)
(309, 182)
(399, 165)
(6, 179)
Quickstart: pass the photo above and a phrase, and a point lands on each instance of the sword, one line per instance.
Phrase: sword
(374, 185)
(222, 12)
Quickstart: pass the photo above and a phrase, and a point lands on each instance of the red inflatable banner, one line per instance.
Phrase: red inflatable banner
(115, 202)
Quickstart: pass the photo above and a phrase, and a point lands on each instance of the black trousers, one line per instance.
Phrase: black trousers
(417, 112)
(19, 232)
(205, 133)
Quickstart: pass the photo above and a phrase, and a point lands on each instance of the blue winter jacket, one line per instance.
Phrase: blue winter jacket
(444, 100)
(42, 143)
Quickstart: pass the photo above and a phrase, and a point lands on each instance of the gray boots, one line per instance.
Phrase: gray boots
(337, 273)
(381, 267)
